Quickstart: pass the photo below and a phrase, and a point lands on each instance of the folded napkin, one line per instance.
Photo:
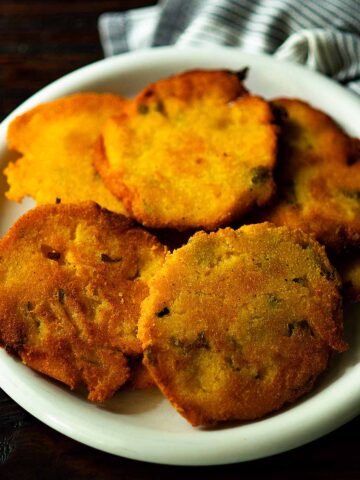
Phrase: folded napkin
(322, 34)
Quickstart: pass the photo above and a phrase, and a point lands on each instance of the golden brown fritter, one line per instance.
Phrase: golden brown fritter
(318, 178)
(239, 322)
(56, 141)
(194, 150)
(71, 281)
(140, 378)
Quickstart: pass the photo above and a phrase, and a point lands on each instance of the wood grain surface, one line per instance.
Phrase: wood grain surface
(39, 42)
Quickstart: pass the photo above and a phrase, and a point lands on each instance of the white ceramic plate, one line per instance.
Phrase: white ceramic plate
(142, 425)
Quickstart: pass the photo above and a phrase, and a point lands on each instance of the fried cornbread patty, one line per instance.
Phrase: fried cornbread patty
(319, 177)
(194, 150)
(71, 281)
(55, 140)
(140, 378)
(239, 322)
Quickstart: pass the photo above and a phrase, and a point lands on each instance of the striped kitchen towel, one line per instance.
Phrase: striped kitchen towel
(322, 34)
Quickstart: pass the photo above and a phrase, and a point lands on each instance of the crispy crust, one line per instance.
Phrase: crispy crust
(140, 378)
(71, 281)
(238, 323)
(56, 141)
(194, 150)
(318, 178)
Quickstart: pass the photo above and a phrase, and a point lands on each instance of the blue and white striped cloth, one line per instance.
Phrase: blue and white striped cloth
(322, 34)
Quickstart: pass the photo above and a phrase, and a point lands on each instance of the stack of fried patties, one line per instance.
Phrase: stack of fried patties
(234, 323)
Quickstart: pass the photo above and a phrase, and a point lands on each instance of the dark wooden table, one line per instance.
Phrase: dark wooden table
(41, 40)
